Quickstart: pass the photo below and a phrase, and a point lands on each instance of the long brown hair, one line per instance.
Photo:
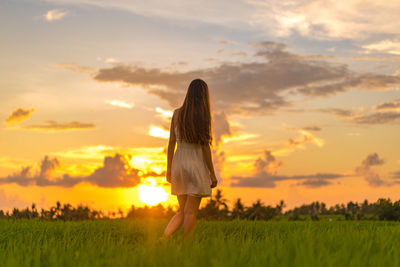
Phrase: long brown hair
(194, 118)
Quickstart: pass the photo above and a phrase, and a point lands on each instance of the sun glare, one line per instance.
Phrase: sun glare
(152, 194)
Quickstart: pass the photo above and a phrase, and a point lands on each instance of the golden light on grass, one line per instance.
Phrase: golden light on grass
(151, 194)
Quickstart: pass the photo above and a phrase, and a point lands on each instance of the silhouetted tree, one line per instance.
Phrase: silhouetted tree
(149, 212)
(258, 211)
(238, 209)
(220, 200)
(386, 210)
(280, 206)
(217, 208)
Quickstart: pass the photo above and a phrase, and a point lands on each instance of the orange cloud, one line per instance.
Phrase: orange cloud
(116, 171)
(150, 160)
(369, 175)
(391, 105)
(19, 115)
(52, 126)
(266, 175)
(299, 142)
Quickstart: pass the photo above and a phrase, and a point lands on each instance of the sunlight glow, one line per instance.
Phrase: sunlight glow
(87, 152)
(156, 131)
(239, 137)
(119, 103)
(167, 114)
(140, 162)
(149, 159)
(151, 194)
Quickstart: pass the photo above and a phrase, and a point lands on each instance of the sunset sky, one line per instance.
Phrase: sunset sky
(305, 97)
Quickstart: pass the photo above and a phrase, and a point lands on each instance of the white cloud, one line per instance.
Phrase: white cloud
(254, 87)
(386, 46)
(321, 19)
(327, 19)
(55, 14)
(240, 137)
(111, 60)
(159, 132)
(209, 11)
(165, 114)
(119, 103)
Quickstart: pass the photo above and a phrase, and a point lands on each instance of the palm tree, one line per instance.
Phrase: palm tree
(216, 207)
(323, 208)
(220, 201)
(238, 209)
(255, 212)
(280, 207)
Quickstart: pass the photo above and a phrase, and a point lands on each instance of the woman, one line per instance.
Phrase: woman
(190, 171)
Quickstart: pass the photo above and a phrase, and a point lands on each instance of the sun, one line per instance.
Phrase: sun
(152, 194)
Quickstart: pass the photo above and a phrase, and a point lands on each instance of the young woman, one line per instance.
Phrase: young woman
(190, 171)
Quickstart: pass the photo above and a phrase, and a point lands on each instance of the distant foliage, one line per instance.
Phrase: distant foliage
(65, 212)
(150, 212)
(383, 209)
(216, 208)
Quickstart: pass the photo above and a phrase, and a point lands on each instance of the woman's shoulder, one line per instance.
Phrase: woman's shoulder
(176, 111)
(175, 115)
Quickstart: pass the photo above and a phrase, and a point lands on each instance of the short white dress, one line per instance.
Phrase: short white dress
(189, 172)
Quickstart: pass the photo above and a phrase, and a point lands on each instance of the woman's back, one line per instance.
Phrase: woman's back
(189, 168)
(189, 172)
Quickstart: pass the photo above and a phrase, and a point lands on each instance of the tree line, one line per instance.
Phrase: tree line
(217, 209)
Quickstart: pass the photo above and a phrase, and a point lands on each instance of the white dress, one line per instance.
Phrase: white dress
(189, 172)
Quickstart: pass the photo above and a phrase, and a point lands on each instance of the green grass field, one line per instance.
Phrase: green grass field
(215, 243)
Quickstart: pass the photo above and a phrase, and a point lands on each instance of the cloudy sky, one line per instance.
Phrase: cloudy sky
(305, 97)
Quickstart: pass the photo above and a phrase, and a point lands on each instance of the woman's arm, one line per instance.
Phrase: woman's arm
(208, 159)
(171, 147)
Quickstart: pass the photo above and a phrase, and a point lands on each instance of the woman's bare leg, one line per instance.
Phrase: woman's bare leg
(189, 220)
(177, 220)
